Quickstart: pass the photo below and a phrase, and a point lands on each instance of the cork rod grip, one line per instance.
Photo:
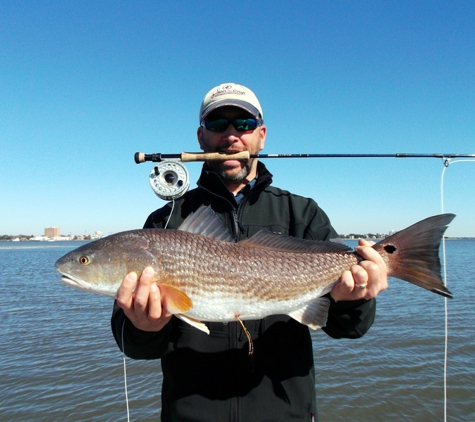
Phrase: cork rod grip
(185, 157)
(213, 156)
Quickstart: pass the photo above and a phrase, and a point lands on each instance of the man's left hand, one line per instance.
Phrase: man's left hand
(365, 280)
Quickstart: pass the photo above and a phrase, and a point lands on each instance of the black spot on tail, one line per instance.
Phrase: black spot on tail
(390, 249)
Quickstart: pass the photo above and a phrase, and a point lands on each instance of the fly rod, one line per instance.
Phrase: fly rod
(185, 157)
(170, 179)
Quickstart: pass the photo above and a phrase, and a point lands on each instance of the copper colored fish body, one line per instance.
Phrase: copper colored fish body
(204, 276)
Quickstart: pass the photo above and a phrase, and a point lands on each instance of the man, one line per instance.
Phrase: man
(212, 377)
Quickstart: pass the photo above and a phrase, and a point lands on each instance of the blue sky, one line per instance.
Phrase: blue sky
(86, 84)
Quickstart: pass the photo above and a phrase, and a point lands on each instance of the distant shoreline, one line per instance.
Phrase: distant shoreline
(23, 240)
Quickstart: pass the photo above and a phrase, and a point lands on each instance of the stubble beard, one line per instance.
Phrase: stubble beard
(238, 177)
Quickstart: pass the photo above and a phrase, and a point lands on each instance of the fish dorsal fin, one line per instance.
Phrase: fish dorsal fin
(206, 223)
(264, 239)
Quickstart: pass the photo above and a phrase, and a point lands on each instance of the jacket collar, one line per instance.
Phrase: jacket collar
(212, 183)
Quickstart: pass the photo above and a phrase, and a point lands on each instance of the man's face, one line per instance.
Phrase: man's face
(230, 141)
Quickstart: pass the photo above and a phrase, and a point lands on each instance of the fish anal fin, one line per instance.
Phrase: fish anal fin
(314, 314)
(194, 322)
(176, 301)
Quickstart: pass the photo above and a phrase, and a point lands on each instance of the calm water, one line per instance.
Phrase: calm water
(59, 361)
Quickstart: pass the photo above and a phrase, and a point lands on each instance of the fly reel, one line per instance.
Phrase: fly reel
(169, 180)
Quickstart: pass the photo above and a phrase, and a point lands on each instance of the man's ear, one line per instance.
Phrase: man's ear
(199, 134)
(262, 134)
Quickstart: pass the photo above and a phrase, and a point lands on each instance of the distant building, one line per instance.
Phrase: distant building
(52, 232)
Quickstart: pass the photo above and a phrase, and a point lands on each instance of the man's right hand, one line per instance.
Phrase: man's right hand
(141, 301)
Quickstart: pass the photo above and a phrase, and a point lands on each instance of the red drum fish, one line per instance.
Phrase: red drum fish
(204, 275)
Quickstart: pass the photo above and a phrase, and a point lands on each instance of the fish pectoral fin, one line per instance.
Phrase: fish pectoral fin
(193, 322)
(176, 301)
(313, 315)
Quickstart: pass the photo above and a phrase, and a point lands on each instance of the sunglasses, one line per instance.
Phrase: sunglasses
(242, 125)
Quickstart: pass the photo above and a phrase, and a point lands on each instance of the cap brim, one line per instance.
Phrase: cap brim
(234, 103)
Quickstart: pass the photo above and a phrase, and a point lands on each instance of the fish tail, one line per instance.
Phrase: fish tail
(413, 253)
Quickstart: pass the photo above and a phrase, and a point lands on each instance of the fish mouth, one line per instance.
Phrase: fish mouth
(78, 283)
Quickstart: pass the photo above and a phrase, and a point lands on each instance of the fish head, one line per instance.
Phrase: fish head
(100, 266)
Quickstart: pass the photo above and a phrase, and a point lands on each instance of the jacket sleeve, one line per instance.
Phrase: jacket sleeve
(350, 319)
(135, 343)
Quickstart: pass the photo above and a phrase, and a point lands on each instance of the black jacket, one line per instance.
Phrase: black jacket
(212, 377)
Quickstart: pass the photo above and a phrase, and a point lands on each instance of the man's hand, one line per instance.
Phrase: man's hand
(142, 302)
(363, 281)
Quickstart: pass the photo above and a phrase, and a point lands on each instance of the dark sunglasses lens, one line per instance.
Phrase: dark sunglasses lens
(219, 125)
(245, 124)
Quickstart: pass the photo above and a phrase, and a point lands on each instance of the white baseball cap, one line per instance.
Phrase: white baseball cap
(230, 94)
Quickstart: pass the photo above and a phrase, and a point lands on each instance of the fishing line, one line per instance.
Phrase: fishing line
(446, 162)
(122, 340)
(170, 180)
(125, 372)
(170, 216)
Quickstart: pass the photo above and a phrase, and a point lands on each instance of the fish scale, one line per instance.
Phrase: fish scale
(224, 266)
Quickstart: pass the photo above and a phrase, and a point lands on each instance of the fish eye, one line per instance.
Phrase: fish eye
(84, 260)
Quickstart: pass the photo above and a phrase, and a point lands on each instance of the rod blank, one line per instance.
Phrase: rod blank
(396, 155)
